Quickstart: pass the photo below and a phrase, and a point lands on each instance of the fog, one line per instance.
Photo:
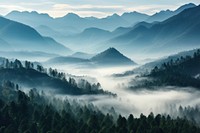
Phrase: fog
(165, 100)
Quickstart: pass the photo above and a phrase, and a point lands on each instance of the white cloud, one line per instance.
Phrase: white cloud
(7, 8)
(151, 9)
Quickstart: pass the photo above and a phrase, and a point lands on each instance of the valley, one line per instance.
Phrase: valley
(129, 72)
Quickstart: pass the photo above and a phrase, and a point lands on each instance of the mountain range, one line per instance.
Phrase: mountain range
(179, 32)
(62, 27)
(144, 34)
(141, 37)
(72, 23)
(163, 15)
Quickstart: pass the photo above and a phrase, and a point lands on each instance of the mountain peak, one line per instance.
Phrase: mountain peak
(94, 30)
(186, 6)
(133, 13)
(113, 50)
(34, 13)
(111, 57)
(110, 52)
(72, 15)
(115, 15)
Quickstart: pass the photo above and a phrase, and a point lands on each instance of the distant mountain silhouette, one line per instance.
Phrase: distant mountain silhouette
(89, 39)
(33, 18)
(22, 37)
(27, 55)
(179, 32)
(111, 57)
(163, 15)
(4, 45)
(67, 60)
(82, 55)
(94, 34)
(68, 22)
(134, 17)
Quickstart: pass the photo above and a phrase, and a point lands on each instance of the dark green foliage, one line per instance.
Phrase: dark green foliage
(180, 72)
(39, 77)
(183, 72)
(38, 113)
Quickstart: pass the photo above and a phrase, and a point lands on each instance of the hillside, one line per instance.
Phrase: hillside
(22, 37)
(182, 72)
(66, 115)
(31, 76)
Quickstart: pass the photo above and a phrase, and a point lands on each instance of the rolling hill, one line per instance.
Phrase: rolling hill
(31, 76)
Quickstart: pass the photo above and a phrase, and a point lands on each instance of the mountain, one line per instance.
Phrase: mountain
(45, 24)
(182, 72)
(4, 45)
(82, 55)
(21, 37)
(89, 39)
(111, 57)
(163, 15)
(147, 67)
(174, 72)
(107, 58)
(27, 55)
(108, 23)
(33, 18)
(179, 32)
(183, 7)
(67, 60)
(47, 31)
(121, 30)
(70, 23)
(134, 17)
(31, 76)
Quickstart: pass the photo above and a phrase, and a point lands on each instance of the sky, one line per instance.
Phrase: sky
(85, 8)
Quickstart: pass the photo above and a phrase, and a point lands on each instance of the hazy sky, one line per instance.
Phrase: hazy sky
(98, 8)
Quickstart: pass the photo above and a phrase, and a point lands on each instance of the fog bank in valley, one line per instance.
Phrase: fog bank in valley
(165, 100)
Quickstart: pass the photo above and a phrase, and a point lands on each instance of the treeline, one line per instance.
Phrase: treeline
(188, 65)
(38, 113)
(181, 72)
(190, 113)
(75, 87)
